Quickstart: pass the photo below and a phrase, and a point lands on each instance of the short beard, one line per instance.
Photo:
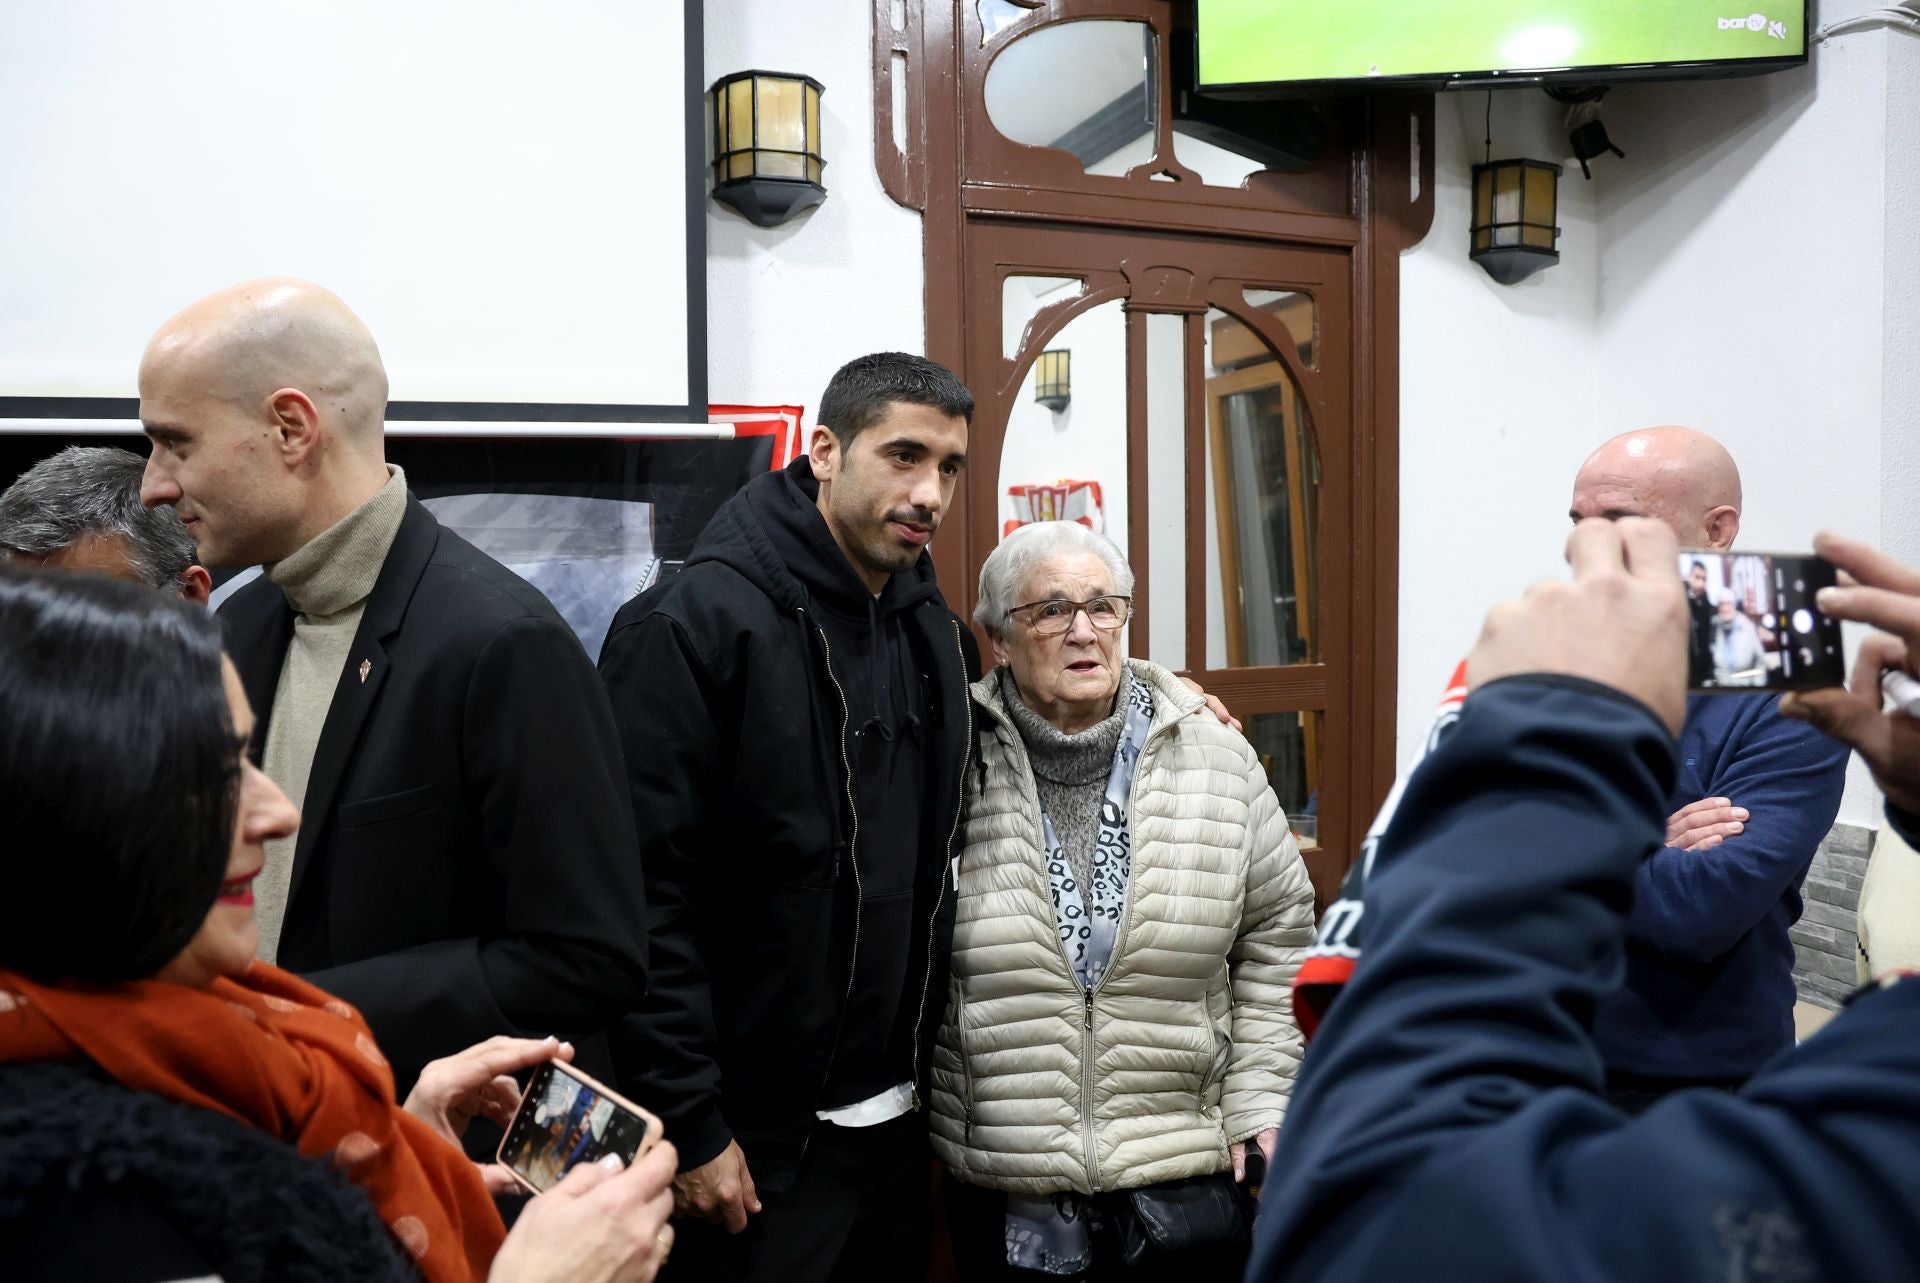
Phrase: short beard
(893, 558)
(889, 557)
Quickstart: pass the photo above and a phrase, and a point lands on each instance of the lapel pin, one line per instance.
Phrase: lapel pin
(366, 666)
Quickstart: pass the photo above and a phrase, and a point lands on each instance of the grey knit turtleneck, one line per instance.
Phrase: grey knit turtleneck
(1070, 771)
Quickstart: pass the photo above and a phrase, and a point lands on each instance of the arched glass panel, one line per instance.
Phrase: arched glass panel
(1070, 462)
(1022, 297)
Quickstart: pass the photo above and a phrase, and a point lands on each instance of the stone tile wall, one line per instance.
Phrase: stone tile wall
(1824, 944)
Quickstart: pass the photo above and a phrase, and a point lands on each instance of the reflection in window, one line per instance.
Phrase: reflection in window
(1263, 506)
(1084, 87)
(1022, 297)
(1289, 748)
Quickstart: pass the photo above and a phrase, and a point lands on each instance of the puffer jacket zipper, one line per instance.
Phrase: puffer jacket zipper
(1086, 1090)
(946, 872)
(1113, 962)
(1089, 995)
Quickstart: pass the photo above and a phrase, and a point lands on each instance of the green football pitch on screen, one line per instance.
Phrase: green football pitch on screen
(1254, 41)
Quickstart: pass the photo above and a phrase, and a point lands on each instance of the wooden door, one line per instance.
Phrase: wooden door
(1194, 322)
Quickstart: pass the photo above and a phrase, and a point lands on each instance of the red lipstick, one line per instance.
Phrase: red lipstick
(239, 891)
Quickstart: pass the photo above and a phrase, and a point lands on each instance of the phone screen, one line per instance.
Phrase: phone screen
(1752, 623)
(564, 1120)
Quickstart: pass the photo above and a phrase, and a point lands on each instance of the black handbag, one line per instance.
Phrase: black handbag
(1200, 1214)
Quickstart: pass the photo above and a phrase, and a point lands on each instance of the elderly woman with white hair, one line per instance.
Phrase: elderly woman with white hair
(1132, 910)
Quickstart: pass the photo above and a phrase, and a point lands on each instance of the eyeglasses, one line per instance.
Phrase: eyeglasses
(1054, 616)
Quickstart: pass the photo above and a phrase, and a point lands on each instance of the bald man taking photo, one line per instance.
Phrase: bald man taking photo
(1709, 988)
(466, 862)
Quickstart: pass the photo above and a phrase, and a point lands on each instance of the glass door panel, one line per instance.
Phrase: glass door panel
(1263, 500)
(1289, 749)
(1166, 556)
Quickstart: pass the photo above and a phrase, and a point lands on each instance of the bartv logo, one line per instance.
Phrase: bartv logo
(1755, 22)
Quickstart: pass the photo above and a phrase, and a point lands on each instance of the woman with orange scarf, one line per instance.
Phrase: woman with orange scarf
(170, 1108)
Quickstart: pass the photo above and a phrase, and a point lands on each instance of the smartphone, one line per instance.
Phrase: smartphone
(565, 1118)
(1752, 622)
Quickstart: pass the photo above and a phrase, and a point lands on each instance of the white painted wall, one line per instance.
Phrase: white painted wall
(1900, 380)
(1752, 268)
(1742, 247)
(1744, 250)
(1496, 393)
(787, 306)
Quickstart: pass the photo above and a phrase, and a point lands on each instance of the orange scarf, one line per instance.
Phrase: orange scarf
(274, 1052)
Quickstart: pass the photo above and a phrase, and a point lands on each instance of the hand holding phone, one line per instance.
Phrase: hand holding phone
(1886, 595)
(477, 1083)
(567, 1118)
(596, 1226)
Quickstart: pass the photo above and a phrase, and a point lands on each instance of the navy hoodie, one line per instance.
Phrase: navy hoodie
(1447, 1122)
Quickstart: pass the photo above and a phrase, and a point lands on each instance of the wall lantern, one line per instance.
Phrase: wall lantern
(1515, 203)
(1053, 378)
(766, 145)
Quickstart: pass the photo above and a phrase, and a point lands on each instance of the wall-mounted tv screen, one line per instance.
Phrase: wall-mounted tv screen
(1269, 44)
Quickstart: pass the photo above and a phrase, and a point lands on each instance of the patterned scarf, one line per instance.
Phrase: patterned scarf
(1089, 924)
(270, 1050)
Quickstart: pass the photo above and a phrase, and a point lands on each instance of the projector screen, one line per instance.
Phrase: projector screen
(1247, 42)
(508, 193)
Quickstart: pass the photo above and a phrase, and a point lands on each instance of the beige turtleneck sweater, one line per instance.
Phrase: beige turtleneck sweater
(327, 583)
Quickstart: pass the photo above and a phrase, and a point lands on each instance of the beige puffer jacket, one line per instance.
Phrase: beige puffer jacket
(1189, 1042)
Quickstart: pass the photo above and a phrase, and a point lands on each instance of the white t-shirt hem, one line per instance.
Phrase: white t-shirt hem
(874, 1110)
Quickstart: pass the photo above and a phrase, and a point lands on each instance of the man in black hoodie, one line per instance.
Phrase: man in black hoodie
(793, 707)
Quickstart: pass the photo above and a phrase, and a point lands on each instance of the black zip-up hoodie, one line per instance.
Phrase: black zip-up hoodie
(797, 750)
(869, 649)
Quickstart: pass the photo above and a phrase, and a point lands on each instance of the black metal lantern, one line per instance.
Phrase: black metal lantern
(766, 145)
(1515, 205)
(1053, 378)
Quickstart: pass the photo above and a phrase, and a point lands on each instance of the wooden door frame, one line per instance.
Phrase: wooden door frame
(1371, 196)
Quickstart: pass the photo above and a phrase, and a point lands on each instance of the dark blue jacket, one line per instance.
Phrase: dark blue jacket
(1709, 991)
(1447, 1123)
